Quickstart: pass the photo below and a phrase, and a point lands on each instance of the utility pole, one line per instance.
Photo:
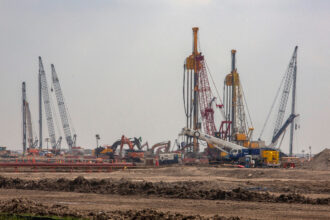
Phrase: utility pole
(24, 116)
(293, 107)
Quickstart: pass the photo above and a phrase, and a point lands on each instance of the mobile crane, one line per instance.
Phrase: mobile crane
(289, 83)
(49, 116)
(70, 139)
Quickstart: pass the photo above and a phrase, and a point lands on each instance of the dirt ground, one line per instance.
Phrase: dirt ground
(190, 191)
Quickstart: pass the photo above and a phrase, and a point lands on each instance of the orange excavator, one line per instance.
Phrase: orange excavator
(160, 146)
(131, 154)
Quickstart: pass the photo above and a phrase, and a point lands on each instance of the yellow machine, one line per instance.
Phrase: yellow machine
(236, 127)
(99, 151)
(270, 157)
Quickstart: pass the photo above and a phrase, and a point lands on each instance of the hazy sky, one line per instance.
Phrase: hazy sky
(120, 62)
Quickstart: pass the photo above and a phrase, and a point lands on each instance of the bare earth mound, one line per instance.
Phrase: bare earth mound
(25, 206)
(321, 161)
(169, 193)
(180, 190)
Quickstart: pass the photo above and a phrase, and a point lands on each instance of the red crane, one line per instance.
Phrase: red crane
(198, 97)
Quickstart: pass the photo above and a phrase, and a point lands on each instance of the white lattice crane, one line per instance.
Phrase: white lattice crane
(71, 140)
(49, 116)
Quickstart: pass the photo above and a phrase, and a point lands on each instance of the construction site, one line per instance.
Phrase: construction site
(206, 173)
(219, 166)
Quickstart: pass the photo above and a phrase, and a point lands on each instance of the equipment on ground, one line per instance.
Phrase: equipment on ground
(197, 95)
(130, 154)
(236, 127)
(168, 158)
(24, 116)
(70, 139)
(288, 82)
(214, 142)
(49, 116)
(160, 146)
(234, 152)
(28, 139)
(271, 157)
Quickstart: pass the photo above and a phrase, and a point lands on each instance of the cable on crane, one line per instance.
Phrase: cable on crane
(216, 89)
(272, 107)
(279, 146)
(69, 117)
(247, 107)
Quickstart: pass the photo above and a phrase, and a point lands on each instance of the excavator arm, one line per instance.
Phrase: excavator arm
(165, 144)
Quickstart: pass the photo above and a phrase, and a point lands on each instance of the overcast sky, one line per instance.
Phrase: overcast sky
(120, 62)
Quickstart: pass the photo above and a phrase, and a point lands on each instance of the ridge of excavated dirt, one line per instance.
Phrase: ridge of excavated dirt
(25, 206)
(320, 161)
(182, 190)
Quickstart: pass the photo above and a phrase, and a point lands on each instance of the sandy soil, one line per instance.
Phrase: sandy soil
(314, 184)
(207, 208)
(302, 181)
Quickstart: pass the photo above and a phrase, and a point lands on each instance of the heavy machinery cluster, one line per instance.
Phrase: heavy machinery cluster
(230, 142)
(30, 142)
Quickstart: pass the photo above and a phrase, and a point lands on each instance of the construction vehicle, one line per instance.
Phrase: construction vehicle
(28, 138)
(228, 147)
(64, 114)
(44, 93)
(288, 82)
(168, 158)
(103, 151)
(165, 145)
(270, 157)
(233, 152)
(68, 130)
(130, 154)
(236, 127)
(199, 100)
(197, 96)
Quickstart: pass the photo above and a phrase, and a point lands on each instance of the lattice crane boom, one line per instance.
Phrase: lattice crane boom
(48, 110)
(290, 77)
(206, 99)
(29, 124)
(71, 141)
